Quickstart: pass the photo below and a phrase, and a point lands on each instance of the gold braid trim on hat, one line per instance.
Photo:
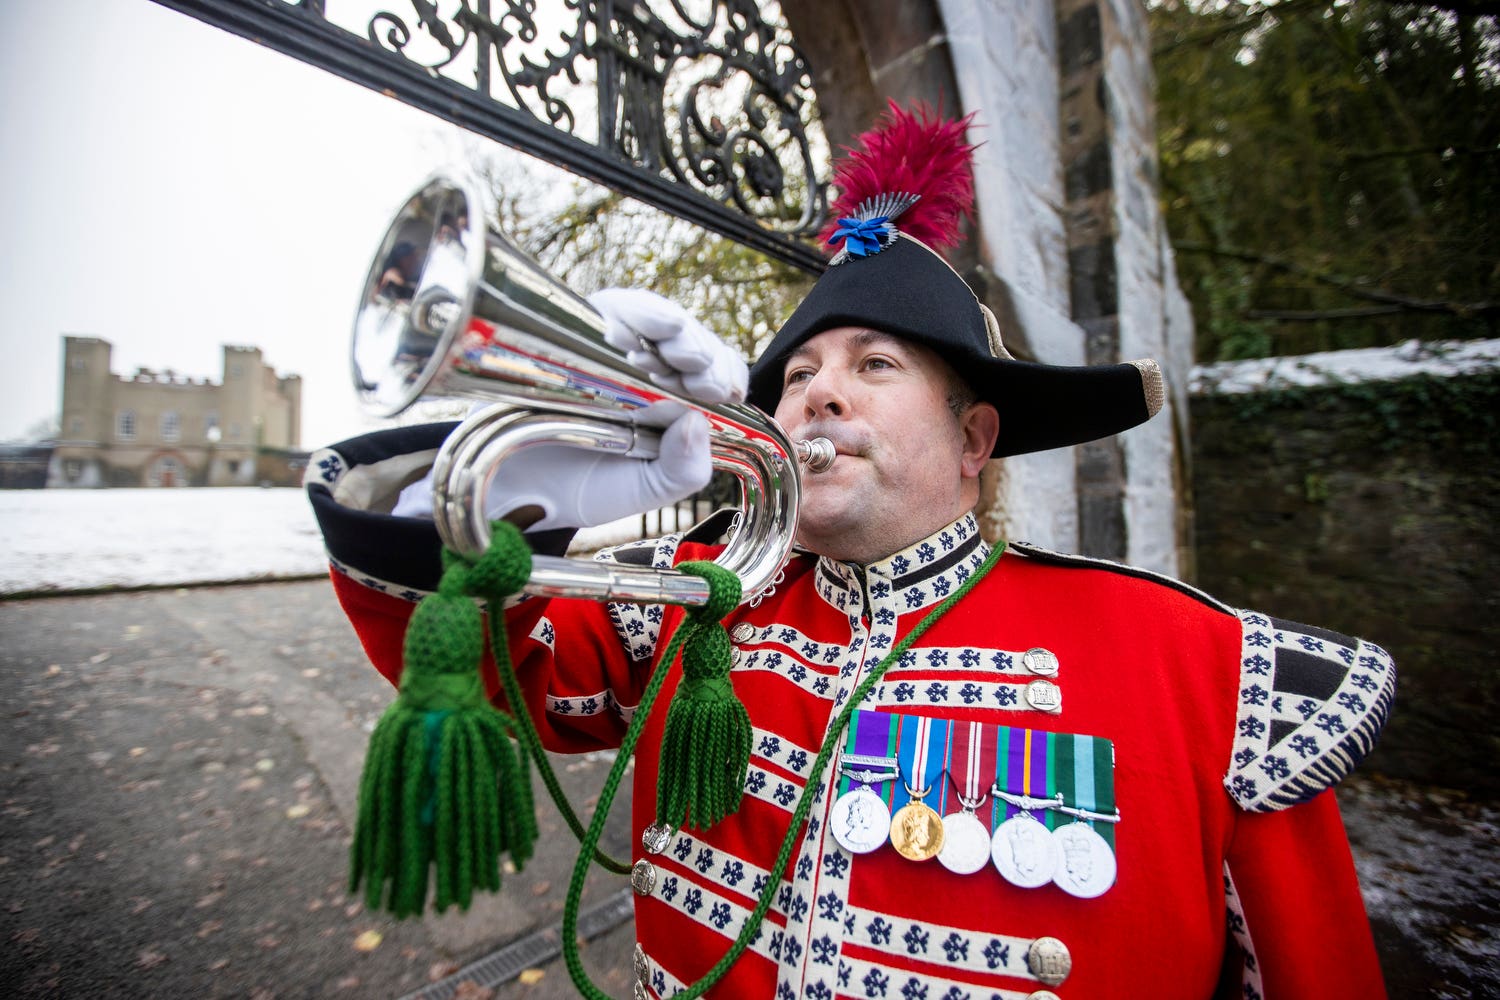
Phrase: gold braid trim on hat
(992, 330)
(1152, 384)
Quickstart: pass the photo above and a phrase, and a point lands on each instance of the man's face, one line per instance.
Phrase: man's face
(906, 465)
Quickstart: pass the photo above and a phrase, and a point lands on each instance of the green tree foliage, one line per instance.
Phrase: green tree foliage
(1330, 170)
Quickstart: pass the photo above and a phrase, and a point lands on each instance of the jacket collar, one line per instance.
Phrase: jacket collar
(913, 579)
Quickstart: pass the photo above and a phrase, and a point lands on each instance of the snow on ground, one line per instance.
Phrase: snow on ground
(1438, 357)
(73, 539)
(84, 539)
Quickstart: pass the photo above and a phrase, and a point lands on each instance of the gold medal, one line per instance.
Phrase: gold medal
(917, 831)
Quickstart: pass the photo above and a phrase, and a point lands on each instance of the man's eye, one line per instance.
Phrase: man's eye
(877, 363)
(800, 375)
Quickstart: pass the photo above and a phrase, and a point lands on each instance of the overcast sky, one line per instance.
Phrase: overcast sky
(170, 187)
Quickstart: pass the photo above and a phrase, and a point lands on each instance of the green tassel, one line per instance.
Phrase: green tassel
(445, 791)
(705, 748)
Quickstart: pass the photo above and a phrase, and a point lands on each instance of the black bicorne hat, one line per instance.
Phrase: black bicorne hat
(886, 278)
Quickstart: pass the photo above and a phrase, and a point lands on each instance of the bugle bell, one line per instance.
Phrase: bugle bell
(452, 309)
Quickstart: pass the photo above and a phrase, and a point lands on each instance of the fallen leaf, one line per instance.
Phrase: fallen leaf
(368, 941)
(470, 990)
(530, 977)
(348, 983)
(137, 751)
(297, 811)
(141, 905)
(541, 888)
(149, 958)
(218, 965)
(210, 927)
(209, 900)
(441, 970)
(264, 764)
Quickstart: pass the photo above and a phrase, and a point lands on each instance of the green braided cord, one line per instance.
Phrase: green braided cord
(601, 810)
(432, 735)
(705, 745)
(429, 794)
(799, 816)
(503, 537)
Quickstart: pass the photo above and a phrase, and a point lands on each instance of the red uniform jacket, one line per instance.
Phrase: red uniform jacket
(1227, 728)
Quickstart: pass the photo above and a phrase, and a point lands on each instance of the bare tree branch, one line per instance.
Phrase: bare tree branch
(1348, 286)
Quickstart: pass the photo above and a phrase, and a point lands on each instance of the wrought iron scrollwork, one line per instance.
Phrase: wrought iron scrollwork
(712, 94)
(703, 108)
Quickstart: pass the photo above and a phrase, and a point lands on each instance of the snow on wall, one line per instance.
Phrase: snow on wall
(1374, 364)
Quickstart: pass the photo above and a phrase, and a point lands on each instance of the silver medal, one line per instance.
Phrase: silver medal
(859, 820)
(1086, 866)
(966, 843)
(1024, 851)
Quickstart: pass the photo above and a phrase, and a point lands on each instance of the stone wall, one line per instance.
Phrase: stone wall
(1371, 509)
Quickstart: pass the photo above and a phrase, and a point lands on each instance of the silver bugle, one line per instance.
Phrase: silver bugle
(450, 308)
(815, 453)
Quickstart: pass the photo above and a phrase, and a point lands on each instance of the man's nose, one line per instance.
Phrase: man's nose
(826, 394)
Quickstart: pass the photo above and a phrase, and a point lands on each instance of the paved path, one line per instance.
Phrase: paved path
(177, 776)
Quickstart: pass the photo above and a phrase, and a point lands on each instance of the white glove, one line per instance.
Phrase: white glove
(687, 358)
(578, 488)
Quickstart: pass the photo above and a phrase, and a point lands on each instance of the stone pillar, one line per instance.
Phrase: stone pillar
(1088, 190)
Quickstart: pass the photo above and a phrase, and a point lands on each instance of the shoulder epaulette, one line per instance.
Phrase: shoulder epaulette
(1085, 562)
(1311, 706)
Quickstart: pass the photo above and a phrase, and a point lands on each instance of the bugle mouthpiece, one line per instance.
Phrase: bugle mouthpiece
(816, 454)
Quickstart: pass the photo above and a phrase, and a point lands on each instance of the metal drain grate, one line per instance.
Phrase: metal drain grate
(535, 949)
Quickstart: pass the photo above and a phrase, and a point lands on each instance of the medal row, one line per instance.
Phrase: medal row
(1025, 852)
(894, 764)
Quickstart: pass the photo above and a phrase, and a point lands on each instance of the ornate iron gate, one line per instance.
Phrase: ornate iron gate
(703, 108)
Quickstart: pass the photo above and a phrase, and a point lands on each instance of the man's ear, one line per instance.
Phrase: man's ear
(980, 425)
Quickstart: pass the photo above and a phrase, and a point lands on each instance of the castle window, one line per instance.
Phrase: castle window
(171, 426)
(125, 425)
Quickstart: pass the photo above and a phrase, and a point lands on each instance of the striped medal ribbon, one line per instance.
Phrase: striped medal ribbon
(860, 819)
(971, 759)
(916, 828)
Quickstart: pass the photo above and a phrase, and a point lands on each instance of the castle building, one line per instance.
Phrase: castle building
(164, 429)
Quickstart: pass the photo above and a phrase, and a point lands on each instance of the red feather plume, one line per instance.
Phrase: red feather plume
(915, 151)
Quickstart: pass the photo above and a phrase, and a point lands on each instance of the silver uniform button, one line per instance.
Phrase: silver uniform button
(1049, 960)
(642, 966)
(1044, 696)
(1043, 995)
(643, 877)
(735, 656)
(656, 837)
(1042, 662)
(742, 632)
(638, 992)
